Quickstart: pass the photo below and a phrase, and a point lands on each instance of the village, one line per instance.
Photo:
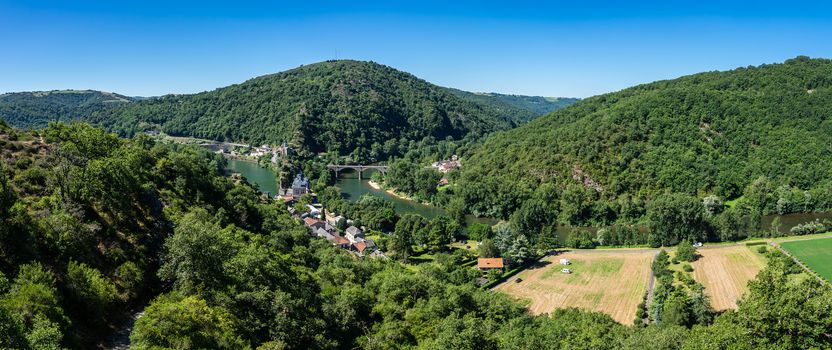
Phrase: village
(323, 224)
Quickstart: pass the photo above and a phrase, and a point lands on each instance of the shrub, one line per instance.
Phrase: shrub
(762, 249)
(687, 268)
(686, 251)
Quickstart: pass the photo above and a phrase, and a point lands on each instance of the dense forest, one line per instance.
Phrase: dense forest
(363, 109)
(757, 140)
(521, 108)
(94, 227)
(36, 109)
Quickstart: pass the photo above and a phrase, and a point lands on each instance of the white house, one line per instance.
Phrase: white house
(354, 234)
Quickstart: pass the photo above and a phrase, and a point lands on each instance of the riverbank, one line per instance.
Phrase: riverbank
(376, 186)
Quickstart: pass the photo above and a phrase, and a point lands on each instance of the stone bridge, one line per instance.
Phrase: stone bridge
(359, 168)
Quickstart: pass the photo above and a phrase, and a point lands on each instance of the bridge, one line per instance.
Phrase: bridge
(359, 168)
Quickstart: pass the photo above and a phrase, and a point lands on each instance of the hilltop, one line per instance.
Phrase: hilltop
(348, 107)
(710, 133)
(37, 108)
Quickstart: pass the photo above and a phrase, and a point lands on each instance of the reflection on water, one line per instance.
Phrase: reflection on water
(788, 221)
(264, 178)
(353, 188)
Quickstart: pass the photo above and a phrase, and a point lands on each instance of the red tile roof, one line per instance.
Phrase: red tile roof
(360, 246)
(340, 240)
(311, 221)
(490, 263)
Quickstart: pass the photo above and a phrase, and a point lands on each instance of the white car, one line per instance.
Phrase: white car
(566, 271)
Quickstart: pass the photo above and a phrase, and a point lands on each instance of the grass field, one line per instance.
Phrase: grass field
(610, 281)
(815, 253)
(725, 272)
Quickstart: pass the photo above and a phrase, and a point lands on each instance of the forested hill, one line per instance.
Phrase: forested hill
(344, 106)
(36, 109)
(521, 108)
(708, 133)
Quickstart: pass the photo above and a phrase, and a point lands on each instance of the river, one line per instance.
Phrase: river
(352, 188)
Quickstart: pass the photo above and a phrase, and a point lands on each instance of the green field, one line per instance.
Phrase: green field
(815, 253)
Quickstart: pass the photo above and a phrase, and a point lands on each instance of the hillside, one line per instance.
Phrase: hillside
(343, 106)
(708, 133)
(36, 109)
(521, 108)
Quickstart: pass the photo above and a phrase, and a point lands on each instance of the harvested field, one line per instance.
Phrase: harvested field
(815, 253)
(610, 281)
(725, 272)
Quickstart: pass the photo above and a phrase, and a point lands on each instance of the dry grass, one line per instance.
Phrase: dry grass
(612, 281)
(725, 272)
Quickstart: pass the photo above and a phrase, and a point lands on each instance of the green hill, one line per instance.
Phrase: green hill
(36, 109)
(708, 133)
(342, 106)
(521, 108)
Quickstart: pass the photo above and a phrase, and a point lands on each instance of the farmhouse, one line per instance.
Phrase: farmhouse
(490, 263)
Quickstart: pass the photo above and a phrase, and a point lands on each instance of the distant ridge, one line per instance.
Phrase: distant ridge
(37, 108)
(521, 108)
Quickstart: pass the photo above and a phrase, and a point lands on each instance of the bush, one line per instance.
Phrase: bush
(186, 323)
(687, 268)
(686, 251)
(762, 250)
(93, 292)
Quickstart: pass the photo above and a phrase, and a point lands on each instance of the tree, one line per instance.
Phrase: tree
(195, 254)
(189, 323)
(580, 239)
(12, 334)
(674, 217)
(713, 204)
(487, 249)
(478, 231)
(685, 251)
(91, 290)
(660, 264)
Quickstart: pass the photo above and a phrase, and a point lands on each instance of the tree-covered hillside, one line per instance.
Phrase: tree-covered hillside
(765, 132)
(343, 106)
(94, 228)
(521, 108)
(36, 109)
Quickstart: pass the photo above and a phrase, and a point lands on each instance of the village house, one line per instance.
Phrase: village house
(341, 241)
(447, 165)
(354, 234)
(485, 264)
(332, 219)
(300, 187)
(313, 211)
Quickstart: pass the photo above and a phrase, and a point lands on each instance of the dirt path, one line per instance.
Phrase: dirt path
(120, 340)
(649, 299)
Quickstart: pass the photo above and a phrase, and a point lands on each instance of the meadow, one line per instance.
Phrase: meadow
(724, 271)
(610, 281)
(814, 253)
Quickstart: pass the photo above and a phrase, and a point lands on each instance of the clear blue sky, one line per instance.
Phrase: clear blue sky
(574, 48)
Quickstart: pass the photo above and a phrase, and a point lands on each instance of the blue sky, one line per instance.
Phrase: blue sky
(535, 48)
